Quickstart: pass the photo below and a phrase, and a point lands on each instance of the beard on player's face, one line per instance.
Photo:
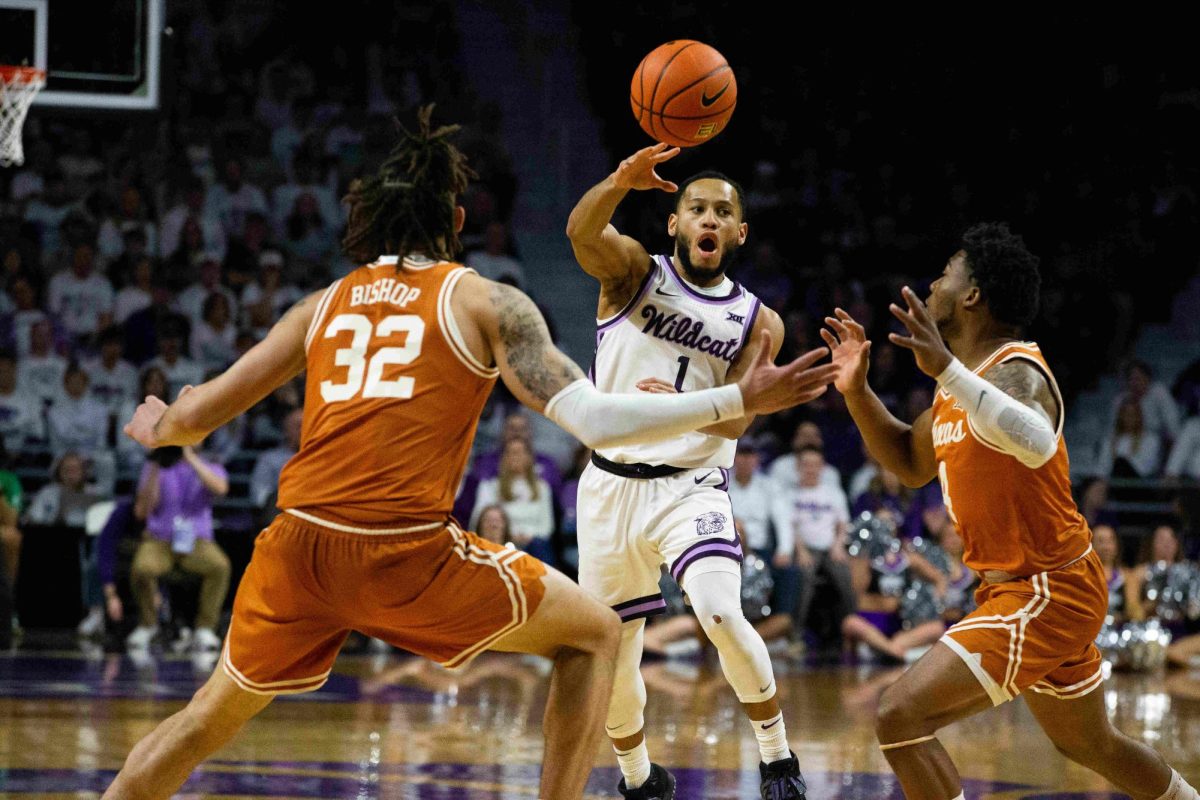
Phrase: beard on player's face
(702, 275)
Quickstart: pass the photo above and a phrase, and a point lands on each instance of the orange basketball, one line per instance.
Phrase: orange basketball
(683, 93)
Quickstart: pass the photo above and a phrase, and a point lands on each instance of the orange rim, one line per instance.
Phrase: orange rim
(10, 74)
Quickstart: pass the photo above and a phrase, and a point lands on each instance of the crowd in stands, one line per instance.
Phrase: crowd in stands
(141, 255)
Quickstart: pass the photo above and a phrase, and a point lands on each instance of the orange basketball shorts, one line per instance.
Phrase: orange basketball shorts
(444, 594)
(1036, 633)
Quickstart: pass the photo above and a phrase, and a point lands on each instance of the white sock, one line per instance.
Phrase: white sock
(772, 738)
(635, 765)
(1179, 789)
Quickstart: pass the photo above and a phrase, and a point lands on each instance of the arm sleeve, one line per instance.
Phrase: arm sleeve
(609, 420)
(1006, 422)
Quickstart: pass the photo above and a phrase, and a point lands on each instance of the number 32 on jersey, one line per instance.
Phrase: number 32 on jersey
(366, 374)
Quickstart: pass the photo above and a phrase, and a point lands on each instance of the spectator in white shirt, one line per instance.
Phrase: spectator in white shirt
(112, 379)
(1184, 460)
(25, 312)
(493, 261)
(193, 208)
(264, 480)
(1161, 416)
(131, 214)
(266, 299)
(214, 335)
(137, 293)
(813, 518)
(1131, 450)
(752, 495)
(784, 469)
(77, 423)
(526, 499)
(47, 212)
(20, 410)
(231, 200)
(179, 370)
(190, 301)
(81, 298)
(41, 371)
(151, 381)
(75, 420)
(283, 198)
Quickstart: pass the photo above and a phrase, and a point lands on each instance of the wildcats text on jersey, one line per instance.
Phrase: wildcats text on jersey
(687, 332)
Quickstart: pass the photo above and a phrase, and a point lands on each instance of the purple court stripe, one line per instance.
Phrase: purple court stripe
(736, 294)
(630, 306)
(715, 550)
(642, 610)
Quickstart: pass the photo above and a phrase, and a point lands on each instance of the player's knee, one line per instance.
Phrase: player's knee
(898, 718)
(598, 630)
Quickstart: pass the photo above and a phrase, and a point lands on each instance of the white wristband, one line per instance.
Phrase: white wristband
(609, 420)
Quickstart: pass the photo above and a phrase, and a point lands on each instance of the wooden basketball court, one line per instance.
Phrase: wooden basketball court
(393, 726)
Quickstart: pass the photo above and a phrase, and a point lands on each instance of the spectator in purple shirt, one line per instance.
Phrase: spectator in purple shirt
(174, 497)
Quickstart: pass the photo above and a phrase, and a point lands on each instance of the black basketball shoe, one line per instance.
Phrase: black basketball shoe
(781, 780)
(660, 786)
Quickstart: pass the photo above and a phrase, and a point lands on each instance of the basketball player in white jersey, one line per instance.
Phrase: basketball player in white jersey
(661, 317)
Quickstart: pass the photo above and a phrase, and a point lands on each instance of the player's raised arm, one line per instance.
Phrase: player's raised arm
(544, 379)
(906, 450)
(199, 411)
(604, 253)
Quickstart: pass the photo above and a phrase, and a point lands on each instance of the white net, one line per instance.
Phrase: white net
(18, 87)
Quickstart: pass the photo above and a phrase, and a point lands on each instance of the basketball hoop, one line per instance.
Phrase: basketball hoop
(18, 87)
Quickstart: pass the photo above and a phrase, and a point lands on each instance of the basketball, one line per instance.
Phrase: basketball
(683, 93)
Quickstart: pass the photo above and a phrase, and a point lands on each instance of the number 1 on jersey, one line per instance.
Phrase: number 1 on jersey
(369, 376)
(683, 365)
(945, 482)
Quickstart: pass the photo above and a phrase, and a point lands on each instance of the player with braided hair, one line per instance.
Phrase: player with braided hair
(401, 355)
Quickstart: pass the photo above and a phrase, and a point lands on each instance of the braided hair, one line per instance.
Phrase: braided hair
(408, 205)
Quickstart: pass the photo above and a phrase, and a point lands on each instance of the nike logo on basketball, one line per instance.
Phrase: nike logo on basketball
(703, 477)
(707, 101)
(772, 725)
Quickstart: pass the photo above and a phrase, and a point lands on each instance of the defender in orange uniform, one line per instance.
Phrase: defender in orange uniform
(400, 356)
(993, 438)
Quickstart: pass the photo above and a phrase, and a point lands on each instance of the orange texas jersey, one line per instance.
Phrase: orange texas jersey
(392, 398)
(1011, 517)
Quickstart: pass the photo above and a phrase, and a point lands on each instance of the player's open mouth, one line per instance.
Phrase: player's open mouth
(707, 243)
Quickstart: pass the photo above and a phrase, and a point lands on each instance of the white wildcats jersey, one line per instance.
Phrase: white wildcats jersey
(672, 332)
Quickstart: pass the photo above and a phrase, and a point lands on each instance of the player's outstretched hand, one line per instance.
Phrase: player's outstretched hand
(637, 171)
(145, 419)
(767, 388)
(930, 351)
(851, 351)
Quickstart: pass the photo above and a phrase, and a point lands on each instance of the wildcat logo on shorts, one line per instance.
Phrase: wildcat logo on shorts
(710, 523)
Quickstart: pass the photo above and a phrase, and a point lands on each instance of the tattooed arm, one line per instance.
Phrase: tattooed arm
(199, 411)
(1020, 419)
(1024, 382)
(511, 329)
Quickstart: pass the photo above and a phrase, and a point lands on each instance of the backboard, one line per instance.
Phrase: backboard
(96, 55)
